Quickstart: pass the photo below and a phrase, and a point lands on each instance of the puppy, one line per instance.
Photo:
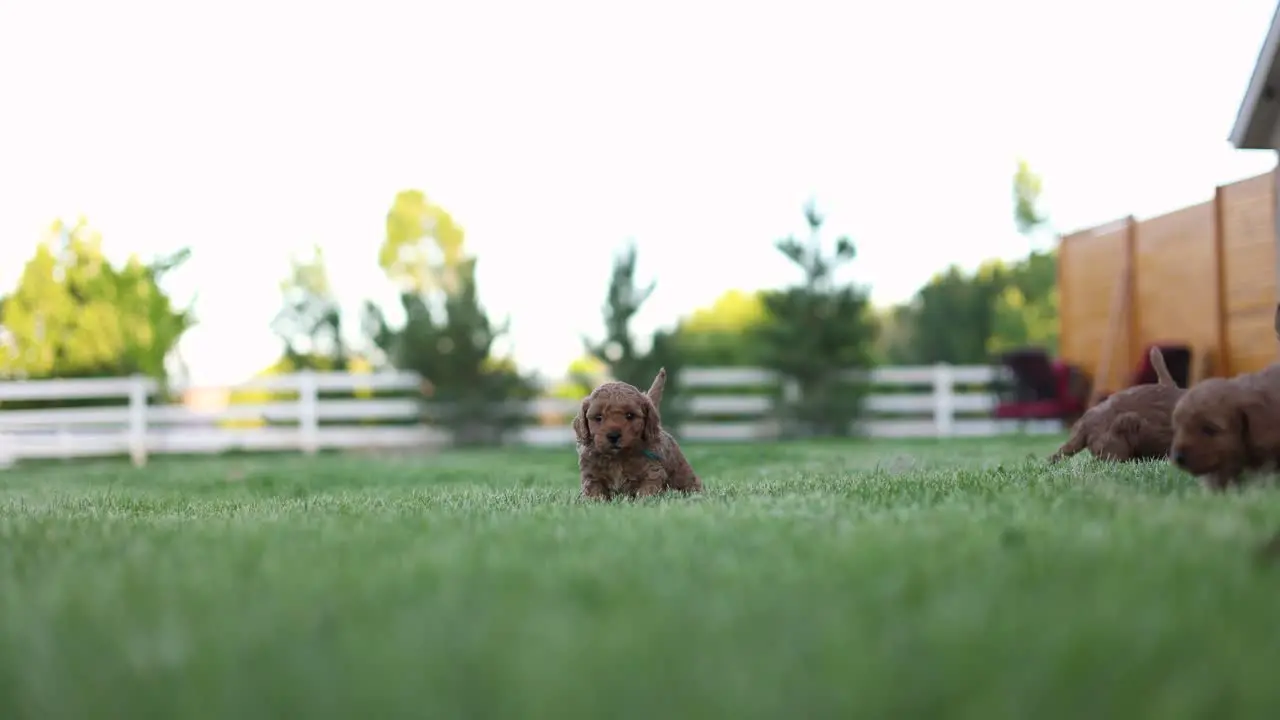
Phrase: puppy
(1132, 424)
(623, 451)
(1227, 427)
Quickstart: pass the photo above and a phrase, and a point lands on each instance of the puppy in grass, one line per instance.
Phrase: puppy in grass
(1228, 428)
(623, 450)
(1133, 424)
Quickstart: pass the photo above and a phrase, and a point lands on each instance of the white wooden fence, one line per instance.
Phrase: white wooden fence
(287, 412)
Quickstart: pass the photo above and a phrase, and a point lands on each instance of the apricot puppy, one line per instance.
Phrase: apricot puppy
(1225, 428)
(1132, 424)
(623, 449)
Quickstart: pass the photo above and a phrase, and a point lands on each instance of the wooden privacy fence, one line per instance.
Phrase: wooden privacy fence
(309, 411)
(1203, 276)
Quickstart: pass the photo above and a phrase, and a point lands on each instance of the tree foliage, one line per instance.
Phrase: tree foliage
(1027, 188)
(894, 341)
(74, 314)
(817, 330)
(1026, 311)
(723, 334)
(967, 318)
(309, 322)
(953, 315)
(583, 374)
(424, 247)
(447, 337)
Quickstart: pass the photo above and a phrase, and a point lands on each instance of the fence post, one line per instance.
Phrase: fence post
(138, 419)
(8, 457)
(944, 399)
(308, 412)
(790, 399)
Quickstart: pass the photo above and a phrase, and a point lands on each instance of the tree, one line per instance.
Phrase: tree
(1019, 323)
(309, 322)
(423, 249)
(965, 318)
(152, 326)
(625, 298)
(581, 376)
(618, 350)
(734, 311)
(722, 334)
(894, 342)
(1027, 187)
(952, 315)
(74, 314)
(447, 336)
(817, 330)
(1028, 313)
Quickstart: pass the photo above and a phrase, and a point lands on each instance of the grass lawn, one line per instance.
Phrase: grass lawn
(959, 579)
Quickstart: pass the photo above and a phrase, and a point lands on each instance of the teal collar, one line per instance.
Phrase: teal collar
(652, 455)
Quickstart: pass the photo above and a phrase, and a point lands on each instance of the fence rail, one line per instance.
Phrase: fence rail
(126, 416)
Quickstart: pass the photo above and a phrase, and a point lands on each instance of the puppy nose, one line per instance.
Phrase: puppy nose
(1179, 458)
(613, 436)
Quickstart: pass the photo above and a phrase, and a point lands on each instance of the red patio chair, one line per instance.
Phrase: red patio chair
(1041, 388)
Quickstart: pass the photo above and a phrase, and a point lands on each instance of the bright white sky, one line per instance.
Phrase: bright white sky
(556, 130)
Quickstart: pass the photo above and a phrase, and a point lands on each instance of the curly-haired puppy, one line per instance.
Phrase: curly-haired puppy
(1224, 428)
(622, 448)
(1132, 424)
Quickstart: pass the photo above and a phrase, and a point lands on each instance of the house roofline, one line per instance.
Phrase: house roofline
(1259, 110)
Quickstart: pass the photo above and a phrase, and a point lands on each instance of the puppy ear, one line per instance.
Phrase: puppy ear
(1127, 426)
(659, 384)
(652, 422)
(580, 427)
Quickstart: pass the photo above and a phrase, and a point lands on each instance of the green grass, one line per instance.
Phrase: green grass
(958, 579)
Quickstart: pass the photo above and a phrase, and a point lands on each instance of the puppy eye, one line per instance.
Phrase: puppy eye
(1209, 430)
(631, 416)
(598, 418)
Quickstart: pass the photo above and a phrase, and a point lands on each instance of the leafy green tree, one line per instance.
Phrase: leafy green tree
(723, 334)
(1026, 311)
(952, 315)
(965, 318)
(896, 336)
(74, 314)
(581, 376)
(424, 247)
(152, 325)
(734, 311)
(447, 336)
(1027, 188)
(818, 329)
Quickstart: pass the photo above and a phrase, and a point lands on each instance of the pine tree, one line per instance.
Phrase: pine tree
(447, 337)
(471, 390)
(618, 349)
(816, 331)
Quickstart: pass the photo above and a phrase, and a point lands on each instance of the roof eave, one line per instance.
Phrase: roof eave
(1255, 121)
